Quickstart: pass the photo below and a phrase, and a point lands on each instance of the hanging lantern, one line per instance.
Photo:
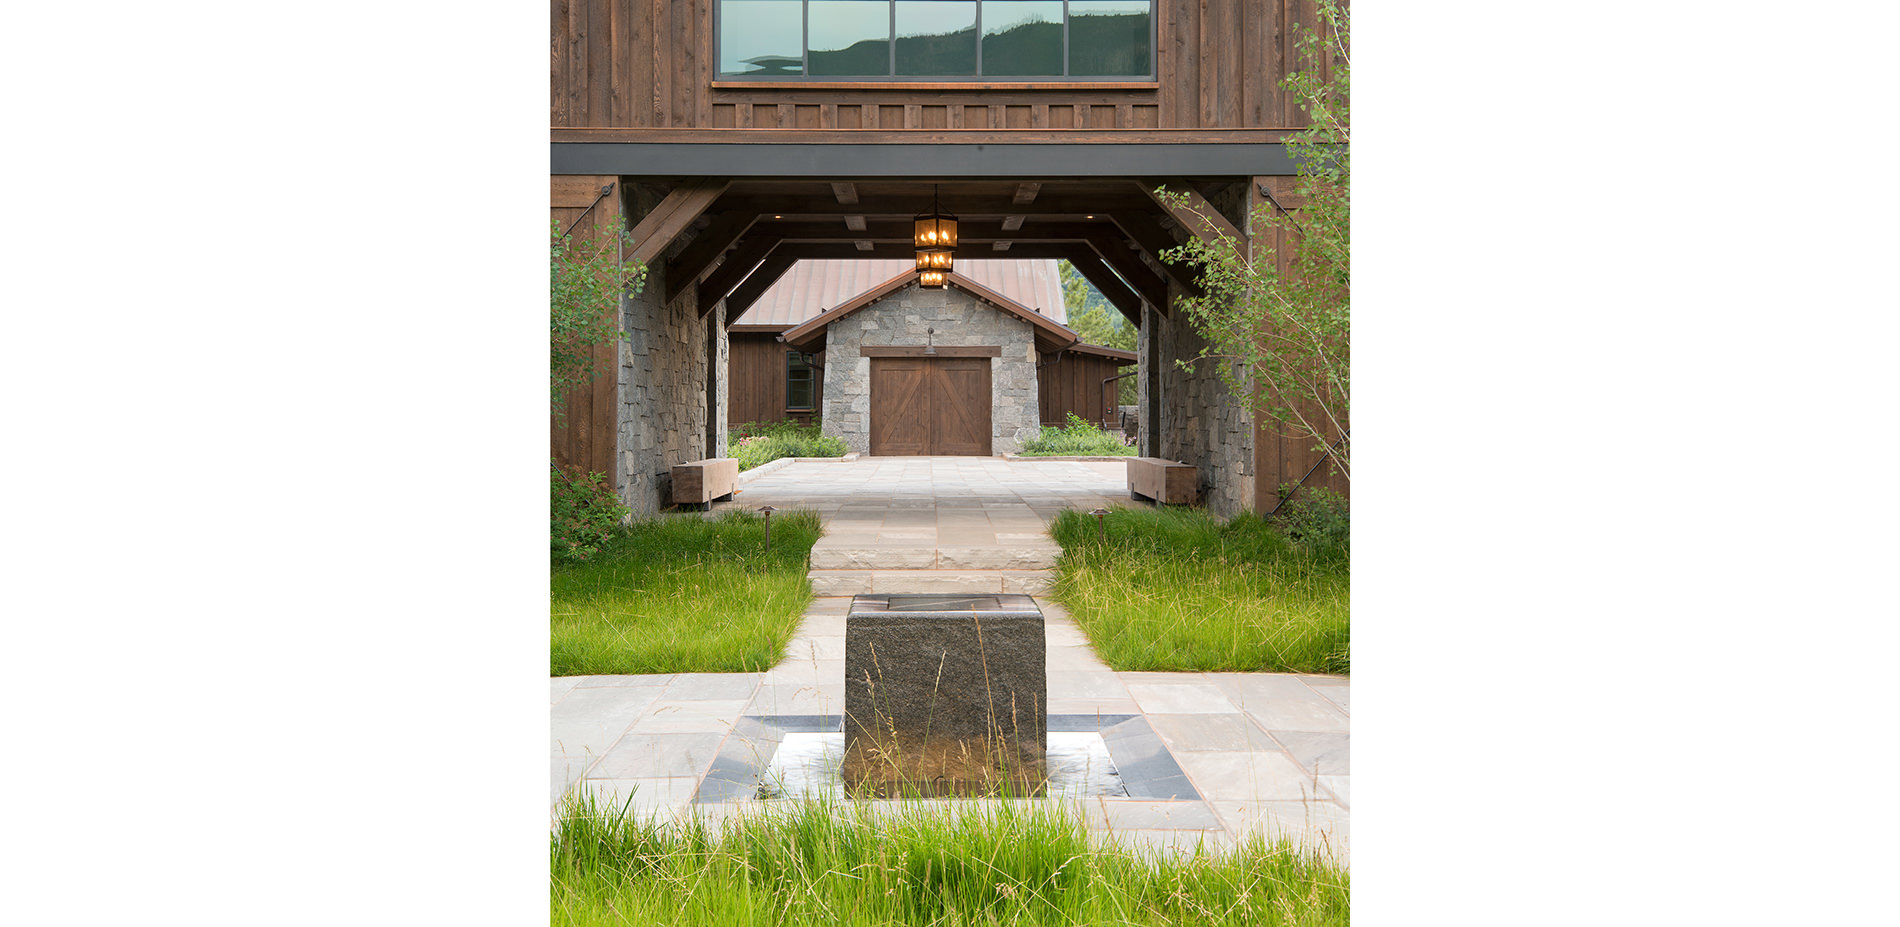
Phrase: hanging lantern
(936, 259)
(930, 279)
(936, 230)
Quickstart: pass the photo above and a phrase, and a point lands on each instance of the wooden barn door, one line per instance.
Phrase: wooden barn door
(930, 406)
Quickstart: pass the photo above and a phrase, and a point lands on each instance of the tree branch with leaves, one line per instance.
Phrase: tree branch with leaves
(1278, 306)
(587, 280)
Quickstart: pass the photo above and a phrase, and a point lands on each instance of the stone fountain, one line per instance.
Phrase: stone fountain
(944, 695)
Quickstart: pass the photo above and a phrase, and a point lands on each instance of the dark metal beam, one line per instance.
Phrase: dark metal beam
(1025, 161)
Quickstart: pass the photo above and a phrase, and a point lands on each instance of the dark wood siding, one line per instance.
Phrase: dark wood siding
(756, 371)
(586, 435)
(649, 63)
(1074, 384)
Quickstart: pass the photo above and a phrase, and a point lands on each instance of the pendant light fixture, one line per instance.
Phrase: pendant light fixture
(936, 240)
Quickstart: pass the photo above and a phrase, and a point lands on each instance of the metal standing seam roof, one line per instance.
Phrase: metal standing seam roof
(811, 287)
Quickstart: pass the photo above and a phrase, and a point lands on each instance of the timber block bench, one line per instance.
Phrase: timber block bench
(1163, 481)
(702, 481)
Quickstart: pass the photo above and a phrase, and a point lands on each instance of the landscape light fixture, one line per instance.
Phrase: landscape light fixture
(767, 511)
(1099, 523)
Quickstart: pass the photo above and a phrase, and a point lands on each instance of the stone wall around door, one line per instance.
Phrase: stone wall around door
(902, 318)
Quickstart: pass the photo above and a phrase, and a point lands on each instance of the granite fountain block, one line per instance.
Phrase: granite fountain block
(944, 695)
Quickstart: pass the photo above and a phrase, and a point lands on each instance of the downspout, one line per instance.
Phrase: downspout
(1105, 400)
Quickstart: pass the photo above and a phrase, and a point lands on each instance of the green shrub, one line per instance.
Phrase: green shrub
(583, 512)
(1079, 438)
(755, 443)
(1316, 516)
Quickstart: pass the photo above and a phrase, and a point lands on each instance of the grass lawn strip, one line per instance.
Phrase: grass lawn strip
(1175, 590)
(684, 594)
(838, 864)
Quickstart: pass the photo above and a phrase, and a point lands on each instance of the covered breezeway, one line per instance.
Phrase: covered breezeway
(713, 243)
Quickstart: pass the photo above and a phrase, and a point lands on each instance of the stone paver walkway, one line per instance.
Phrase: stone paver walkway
(1261, 752)
(935, 524)
(1266, 752)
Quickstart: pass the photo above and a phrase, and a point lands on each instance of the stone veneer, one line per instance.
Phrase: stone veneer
(663, 390)
(1192, 417)
(960, 319)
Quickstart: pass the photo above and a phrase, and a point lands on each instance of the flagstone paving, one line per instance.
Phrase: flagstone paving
(1259, 751)
(1264, 752)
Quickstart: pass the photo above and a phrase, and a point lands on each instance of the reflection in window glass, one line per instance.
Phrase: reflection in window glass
(1022, 37)
(850, 37)
(1109, 38)
(936, 37)
(761, 37)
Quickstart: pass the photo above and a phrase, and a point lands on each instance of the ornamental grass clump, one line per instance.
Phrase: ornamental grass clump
(1176, 590)
(921, 863)
(683, 594)
(1079, 438)
(755, 443)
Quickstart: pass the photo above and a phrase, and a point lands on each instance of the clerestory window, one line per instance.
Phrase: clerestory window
(936, 39)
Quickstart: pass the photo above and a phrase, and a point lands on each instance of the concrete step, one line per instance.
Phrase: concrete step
(1026, 556)
(862, 582)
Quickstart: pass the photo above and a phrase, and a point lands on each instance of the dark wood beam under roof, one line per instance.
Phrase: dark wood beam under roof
(845, 193)
(1145, 229)
(756, 283)
(1118, 294)
(1026, 193)
(672, 216)
(705, 248)
(1197, 215)
(962, 205)
(1127, 263)
(904, 252)
(733, 269)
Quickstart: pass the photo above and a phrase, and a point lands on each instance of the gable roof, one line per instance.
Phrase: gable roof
(1051, 336)
(811, 287)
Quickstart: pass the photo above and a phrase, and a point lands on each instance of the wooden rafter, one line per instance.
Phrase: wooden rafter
(751, 250)
(705, 248)
(1090, 265)
(1198, 215)
(756, 283)
(1144, 228)
(672, 216)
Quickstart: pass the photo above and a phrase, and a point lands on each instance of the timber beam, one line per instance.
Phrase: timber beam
(734, 269)
(674, 214)
(705, 248)
(756, 283)
(1196, 214)
(1118, 294)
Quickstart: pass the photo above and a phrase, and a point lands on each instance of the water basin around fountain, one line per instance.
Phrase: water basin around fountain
(770, 757)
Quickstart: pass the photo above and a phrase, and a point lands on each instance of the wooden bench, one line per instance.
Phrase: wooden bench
(1164, 481)
(702, 481)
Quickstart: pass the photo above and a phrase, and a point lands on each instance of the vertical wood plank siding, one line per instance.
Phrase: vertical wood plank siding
(650, 63)
(1074, 384)
(755, 372)
(586, 436)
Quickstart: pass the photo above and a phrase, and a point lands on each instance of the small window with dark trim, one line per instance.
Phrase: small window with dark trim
(897, 40)
(800, 382)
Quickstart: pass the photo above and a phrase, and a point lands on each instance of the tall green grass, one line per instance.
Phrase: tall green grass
(834, 864)
(684, 594)
(1177, 590)
(1079, 438)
